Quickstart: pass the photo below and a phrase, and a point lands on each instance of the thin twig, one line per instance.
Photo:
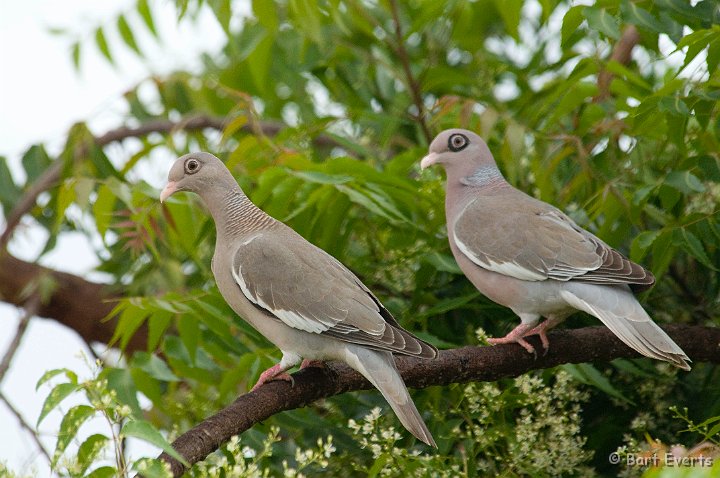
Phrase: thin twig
(51, 175)
(412, 82)
(31, 308)
(26, 426)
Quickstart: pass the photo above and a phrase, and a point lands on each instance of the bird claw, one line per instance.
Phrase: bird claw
(273, 373)
(508, 339)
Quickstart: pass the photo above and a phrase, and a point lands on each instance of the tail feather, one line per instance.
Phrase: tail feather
(620, 311)
(379, 368)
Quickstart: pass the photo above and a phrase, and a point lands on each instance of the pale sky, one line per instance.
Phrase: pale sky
(41, 96)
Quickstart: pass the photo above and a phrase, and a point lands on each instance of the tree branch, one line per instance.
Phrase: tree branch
(25, 425)
(51, 175)
(31, 308)
(466, 364)
(412, 82)
(622, 53)
(75, 302)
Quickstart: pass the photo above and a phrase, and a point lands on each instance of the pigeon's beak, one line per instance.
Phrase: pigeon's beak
(428, 160)
(168, 191)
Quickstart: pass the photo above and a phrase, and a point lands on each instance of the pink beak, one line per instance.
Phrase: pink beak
(428, 160)
(170, 188)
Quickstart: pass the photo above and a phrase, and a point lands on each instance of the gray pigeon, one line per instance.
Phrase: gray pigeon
(298, 296)
(529, 256)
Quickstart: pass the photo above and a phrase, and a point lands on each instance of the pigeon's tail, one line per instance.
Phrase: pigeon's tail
(379, 368)
(620, 311)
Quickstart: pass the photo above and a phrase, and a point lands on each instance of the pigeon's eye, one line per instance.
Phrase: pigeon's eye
(457, 142)
(192, 166)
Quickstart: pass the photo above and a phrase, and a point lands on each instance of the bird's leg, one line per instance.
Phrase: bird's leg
(312, 363)
(277, 371)
(516, 336)
(542, 330)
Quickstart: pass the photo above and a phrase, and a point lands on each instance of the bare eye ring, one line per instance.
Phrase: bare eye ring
(457, 142)
(192, 166)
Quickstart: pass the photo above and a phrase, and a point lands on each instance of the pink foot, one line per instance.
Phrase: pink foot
(273, 373)
(516, 337)
(542, 330)
(312, 363)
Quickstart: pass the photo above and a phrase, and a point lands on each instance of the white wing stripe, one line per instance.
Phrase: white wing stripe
(506, 268)
(289, 317)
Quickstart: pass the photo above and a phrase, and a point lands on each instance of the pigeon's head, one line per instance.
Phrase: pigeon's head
(458, 150)
(195, 172)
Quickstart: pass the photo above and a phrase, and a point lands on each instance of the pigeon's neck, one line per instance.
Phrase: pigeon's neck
(483, 180)
(235, 215)
(487, 175)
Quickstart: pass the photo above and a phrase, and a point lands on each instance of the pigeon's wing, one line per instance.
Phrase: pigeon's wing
(522, 237)
(310, 290)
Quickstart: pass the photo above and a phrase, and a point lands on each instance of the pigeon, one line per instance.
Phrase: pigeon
(298, 296)
(532, 258)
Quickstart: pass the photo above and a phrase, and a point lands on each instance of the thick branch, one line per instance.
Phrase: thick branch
(466, 364)
(75, 302)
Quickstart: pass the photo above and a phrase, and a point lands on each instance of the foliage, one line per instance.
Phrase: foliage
(354, 91)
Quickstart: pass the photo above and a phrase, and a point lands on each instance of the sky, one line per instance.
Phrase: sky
(41, 96)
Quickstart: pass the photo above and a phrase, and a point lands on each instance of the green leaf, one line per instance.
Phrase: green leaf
(143, 9)
(152, 468)
(442, 262)
(56, 395)
(685, 182)
(266, 13)
(600, 20)
(52, 373)
(103, 209)
(120, 380)
(89, 450)
(510, 13)
(9, 192)
(642, 243)
(103, 472)
(75, 51)
(71, 423)
(692, 245)
(587, 374)
(102, 44)
(640, 17)
(145, 431)
(571, 22)
(127, 35)
(154, 366)
(35, 161)
(158, 322)
(189, 332)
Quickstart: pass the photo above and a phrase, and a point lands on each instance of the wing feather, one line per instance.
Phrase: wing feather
(527, 239)
(309, 290)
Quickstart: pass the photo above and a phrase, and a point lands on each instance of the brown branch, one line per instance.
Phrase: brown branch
(51, 175)
(75, 302)
(412, 82)
(466, 364)
(31, 308)
(622, 53)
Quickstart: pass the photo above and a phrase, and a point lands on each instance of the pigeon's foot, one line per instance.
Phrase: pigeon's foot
(312, 363)
(273, 373)
(542, 331)
(516, 337)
